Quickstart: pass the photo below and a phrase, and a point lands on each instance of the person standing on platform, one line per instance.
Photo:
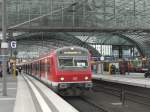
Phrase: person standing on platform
(122, 67)
(20, 69)
(0, 70)
(113, 69)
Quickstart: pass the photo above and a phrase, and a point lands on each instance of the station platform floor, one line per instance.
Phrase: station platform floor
(135, 79)
(7, 102)
(23, 96)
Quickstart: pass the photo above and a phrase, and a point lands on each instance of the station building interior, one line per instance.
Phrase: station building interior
(114, 29)
(112, 73)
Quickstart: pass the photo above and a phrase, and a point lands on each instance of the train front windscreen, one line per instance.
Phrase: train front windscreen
(73, 59)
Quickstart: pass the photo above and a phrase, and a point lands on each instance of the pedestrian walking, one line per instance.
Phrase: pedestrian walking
(20, 69)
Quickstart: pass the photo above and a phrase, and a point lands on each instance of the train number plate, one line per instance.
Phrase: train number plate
(75, 78)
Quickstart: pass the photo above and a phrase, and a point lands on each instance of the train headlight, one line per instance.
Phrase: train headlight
(62, 78)
(86, 78)
(72, 48)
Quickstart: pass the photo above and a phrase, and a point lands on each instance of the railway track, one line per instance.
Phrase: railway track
(94, 101)
(124, 92)
(83, 104)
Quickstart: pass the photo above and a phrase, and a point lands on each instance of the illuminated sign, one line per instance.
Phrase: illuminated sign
(72, 52)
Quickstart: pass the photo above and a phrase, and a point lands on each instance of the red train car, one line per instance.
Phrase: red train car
(66, 70)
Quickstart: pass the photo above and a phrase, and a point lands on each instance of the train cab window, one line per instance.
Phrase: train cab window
(76, 62)
(65, 61)
(81, 61)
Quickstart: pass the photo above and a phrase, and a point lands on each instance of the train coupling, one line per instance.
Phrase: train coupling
(89, 85)
(63, 86)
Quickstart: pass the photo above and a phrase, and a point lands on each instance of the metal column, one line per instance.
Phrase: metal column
(4, 46)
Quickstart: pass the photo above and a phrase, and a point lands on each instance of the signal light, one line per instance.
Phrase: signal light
(72, 48)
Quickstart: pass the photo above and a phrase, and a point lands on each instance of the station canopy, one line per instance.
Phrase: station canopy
(102, 21)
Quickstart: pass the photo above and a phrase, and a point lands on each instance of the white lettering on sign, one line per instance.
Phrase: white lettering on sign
(13, 44)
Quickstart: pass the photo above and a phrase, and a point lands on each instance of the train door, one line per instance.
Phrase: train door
(40, 68)
(46, 69)
(30, 69)
(33, 70)
(26, 68)
(36, 69)
(51, 67)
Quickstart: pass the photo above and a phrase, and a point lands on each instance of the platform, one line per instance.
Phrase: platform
(33, 96)
(135, 79)
(7, 102)
(26, 94)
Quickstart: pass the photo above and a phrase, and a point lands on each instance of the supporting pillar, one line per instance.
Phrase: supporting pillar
(4, 46)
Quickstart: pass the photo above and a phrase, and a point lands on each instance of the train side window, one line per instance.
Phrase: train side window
(38, 66)
(30, 68)
(35, 68)
(46, 67)
(42, 66)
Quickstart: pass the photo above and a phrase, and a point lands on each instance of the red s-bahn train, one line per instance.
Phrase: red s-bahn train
(66, 70)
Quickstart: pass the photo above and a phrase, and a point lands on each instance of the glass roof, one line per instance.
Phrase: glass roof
(86, 14)
(45, 42)
(78, 13)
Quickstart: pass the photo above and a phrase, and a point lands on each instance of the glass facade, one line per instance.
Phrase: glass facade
(104, 49)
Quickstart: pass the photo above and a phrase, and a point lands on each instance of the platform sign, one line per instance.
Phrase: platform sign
(4, 45)
(102, 58)
(13, 44)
